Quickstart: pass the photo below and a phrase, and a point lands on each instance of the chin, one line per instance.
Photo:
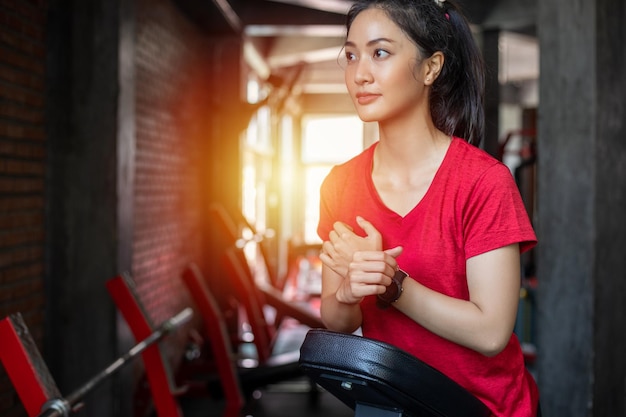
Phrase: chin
(366, 116)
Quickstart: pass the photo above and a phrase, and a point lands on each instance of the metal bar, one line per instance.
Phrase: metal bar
(59, 408)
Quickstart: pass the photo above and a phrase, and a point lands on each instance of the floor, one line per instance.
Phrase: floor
(295, 397)
(286, 399)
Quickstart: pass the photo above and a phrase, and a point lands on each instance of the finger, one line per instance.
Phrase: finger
(328, 248)
(326, 260)
(395, 252)
(343, 230)
(365, 225)
(333, 236)
(369, 256)
(360, 291)
(342, 226)
(370, 230)
(376, 279)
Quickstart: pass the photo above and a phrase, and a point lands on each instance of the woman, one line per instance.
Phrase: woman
(423, 231)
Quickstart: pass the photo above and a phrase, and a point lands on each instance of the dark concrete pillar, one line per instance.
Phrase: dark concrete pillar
(581, 205)
(82, 243)
(491, 54)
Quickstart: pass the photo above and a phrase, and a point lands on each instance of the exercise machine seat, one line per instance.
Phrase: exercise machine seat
(368, 375)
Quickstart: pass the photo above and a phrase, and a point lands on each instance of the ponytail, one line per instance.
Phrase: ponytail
(457, 96)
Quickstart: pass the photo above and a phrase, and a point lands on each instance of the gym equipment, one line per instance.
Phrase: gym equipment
(220, 372)
(379, 380)
(254, 297)
(252, 292)
(31, 377)
(235, 230)
(158, 373)
(24, 365)
(218, 338)
(268, 366)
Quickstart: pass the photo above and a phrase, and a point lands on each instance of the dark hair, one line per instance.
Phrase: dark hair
(457, 95)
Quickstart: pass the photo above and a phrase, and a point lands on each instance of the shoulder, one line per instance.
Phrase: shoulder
(474, 165)
(362, 159)
(492, 211)
(473, 155)
(347, 171)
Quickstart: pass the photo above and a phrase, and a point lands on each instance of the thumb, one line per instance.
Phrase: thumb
(367, 227)
(395, 252)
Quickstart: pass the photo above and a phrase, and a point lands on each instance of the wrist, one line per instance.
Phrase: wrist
(346, 300)
(393, 291)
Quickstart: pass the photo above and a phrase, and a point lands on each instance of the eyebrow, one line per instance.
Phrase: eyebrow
(370, 43)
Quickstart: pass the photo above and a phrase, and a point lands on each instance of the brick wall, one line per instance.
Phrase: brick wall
(171, 126)
(175, 94)
(22, 171)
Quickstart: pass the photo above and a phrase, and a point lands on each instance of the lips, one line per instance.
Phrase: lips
(366, 98)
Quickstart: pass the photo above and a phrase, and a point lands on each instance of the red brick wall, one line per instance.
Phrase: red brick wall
(175, 95)
(171, 126)
(22, 171)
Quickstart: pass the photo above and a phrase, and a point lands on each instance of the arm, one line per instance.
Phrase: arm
(336, 315)
(485, 322)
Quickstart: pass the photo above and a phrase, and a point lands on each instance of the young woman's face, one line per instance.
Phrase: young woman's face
(382, 69)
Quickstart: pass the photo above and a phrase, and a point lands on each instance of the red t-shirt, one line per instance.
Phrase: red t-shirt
(472, 206)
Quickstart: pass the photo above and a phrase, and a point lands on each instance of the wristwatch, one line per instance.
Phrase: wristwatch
(394, 290)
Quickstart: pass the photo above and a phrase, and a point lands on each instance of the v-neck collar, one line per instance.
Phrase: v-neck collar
(388, 211)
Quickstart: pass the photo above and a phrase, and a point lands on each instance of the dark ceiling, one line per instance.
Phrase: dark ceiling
(226, 16)
(305, 36)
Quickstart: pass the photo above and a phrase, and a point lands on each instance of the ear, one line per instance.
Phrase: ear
(432, 67)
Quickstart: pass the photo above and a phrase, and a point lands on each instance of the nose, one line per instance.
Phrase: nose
(362, 71)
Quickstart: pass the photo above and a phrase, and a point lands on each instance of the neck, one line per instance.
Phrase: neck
(409, 144)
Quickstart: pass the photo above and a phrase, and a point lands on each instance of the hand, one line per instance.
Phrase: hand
(338, 251)
(369, 273)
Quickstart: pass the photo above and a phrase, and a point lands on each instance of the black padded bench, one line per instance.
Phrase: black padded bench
(379, 380)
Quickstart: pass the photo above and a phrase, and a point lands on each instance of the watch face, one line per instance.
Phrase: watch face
(392, 292)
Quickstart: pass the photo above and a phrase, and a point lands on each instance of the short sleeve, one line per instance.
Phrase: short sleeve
(327, 196)
(495, 215)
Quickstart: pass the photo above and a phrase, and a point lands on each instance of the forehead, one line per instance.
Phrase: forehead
(373, 24)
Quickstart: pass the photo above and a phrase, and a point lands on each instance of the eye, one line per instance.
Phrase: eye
(381, 54)
(350, 56)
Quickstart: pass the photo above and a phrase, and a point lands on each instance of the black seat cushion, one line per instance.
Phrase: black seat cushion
(361, 370)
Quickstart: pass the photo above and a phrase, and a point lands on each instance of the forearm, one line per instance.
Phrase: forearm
(336, 315)
(460, 321)
(340, 317)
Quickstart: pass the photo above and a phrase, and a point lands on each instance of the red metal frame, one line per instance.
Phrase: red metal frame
(254, 296)
(218, 338)
(158, 373)
(248, 294)
(25, 367)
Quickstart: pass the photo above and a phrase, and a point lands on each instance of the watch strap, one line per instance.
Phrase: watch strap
(388, 297)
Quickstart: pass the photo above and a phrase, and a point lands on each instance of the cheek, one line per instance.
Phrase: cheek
(395, 77)
(408, 80)
(348, 75)
(351, 85)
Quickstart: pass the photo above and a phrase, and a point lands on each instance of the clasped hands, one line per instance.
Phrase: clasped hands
(365, 267)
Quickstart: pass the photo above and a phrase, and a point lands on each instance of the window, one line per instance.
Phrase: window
(326, 141)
